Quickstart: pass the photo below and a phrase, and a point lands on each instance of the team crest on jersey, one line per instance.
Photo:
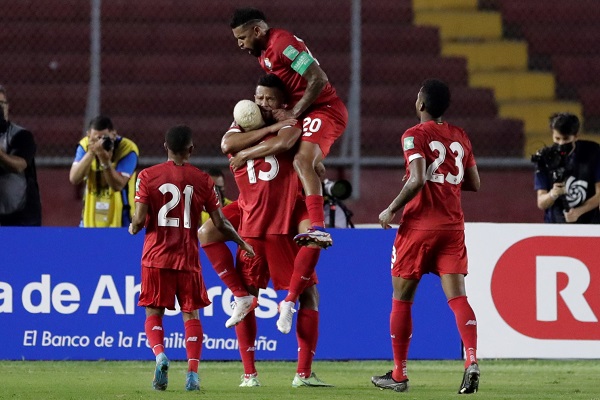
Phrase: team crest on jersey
(268, 64)
(409, 143)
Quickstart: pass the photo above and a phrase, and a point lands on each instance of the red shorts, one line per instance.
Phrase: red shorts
(417, 252)
(160, 287)
(324, 123)
(232, 212)
(275, 255)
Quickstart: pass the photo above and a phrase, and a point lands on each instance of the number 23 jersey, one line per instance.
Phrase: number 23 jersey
(448, 153)
(176, 196)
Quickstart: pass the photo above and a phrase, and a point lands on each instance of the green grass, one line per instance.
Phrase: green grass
(500, 379)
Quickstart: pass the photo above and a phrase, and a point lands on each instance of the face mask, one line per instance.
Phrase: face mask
(566, 148)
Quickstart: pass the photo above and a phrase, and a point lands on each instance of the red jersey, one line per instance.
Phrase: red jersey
(288, 57)
(269, 189)
(448, 153)
(176, 196)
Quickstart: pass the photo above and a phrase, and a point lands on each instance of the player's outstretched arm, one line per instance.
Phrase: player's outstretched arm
(471, 183)
(411, 188)
(285, 140)
(234, 140)
(225, 227)
(139, 218)
(316, 80)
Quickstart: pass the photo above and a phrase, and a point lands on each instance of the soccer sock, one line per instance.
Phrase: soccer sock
(401, 333)
(304, 266)
(155, 334)
(221, 259)
(467, 326)
(193, 343)
(316, 214)
(307, 333)
(246, 335)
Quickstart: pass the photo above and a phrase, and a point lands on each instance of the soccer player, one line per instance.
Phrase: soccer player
(271, 210)
(439, 163)
(168, 201)
(313, 100)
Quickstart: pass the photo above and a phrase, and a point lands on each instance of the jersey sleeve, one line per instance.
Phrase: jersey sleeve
(412, 145)
(141, 188)
(212, 202)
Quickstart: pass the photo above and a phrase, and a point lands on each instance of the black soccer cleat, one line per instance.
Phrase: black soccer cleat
(387, 382)
(470, 382)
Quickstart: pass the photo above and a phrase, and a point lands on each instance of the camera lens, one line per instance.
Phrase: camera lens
(107, 143)
(341, 189)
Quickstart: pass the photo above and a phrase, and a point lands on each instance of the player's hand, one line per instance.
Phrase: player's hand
(385, 217)
(238, 160)
(281, 115)
(131, 232)
(248, 249)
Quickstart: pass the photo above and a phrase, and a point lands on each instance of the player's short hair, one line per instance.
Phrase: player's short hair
(565, 123)
(242, 16)
(215, 172)
(272, 81)
(179, 139)
(100, 123)
(436, 95)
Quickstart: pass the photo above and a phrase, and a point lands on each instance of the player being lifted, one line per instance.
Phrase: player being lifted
(313, 100)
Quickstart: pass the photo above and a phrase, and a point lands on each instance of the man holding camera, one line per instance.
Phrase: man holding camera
(107, 163)
(567, 177)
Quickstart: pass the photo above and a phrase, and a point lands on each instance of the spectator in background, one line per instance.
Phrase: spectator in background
(440, 164)
(170, 262)
(567, 177)
(219, 179)
(106, 162)
(313, 100)
(20, 203)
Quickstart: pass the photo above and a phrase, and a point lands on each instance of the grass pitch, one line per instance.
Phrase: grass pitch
(500, 379)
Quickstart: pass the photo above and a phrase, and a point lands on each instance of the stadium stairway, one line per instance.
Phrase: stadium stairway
(497, 63)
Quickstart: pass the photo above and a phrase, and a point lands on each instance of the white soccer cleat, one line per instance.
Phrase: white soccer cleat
(315, 235)
(286, 314)
(241, 307)
(250, 381)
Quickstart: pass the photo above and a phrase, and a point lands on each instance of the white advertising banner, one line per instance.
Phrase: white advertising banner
(535, 289)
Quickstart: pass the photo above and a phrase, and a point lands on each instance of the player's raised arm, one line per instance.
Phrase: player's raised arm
(316, 79)
(225, 227)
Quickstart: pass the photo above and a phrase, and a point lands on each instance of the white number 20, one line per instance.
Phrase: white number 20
(457, 149)
(163, 220)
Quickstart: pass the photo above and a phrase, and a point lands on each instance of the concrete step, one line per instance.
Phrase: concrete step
(536, 114)
(421, 5)
(455, 25)
(516, 85)
(492, 55)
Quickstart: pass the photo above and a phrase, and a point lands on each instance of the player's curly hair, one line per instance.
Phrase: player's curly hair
(242, 16)
(436, 95)
(565, 123)
(179, 139)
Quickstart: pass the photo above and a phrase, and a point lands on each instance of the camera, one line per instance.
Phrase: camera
(553, 159)
(107, 143)
(340, 190)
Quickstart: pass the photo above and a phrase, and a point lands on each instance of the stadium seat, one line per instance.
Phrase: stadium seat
(408, 69)
(399, 39)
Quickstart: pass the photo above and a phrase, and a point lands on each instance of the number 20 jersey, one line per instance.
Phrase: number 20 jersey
(448, 153)
(175, 195)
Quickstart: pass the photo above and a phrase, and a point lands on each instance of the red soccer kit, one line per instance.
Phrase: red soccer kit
(271, 206)
(175, 195)
(288, 57)
(431, 234)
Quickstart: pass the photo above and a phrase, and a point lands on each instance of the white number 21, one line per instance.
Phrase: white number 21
(163, 220)
(457, 149)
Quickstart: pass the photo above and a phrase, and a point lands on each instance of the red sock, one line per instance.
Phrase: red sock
(401, 332)
(467, 326)
(246, 335)
(304, 266)
(221, 259)
(154, 333)
(307, 333)
(314, 205)
(193, 343)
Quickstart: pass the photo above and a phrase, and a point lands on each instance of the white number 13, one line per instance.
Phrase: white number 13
(457, 149)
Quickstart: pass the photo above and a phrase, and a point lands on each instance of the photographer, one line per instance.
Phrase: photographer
(19, 192)
(107, 163)
(567, 177)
